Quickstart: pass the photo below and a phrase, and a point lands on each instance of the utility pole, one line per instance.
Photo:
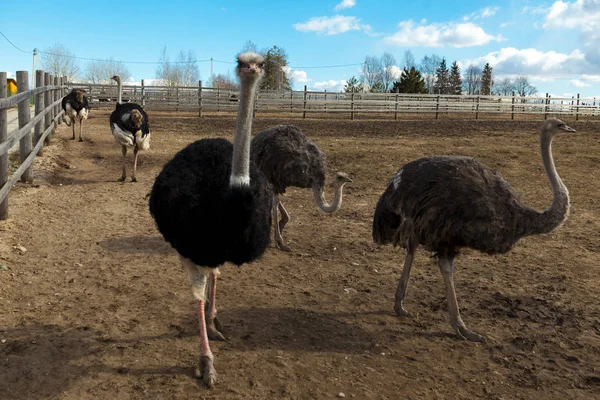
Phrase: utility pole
(364, 77)
(212, 83)
(33, 70)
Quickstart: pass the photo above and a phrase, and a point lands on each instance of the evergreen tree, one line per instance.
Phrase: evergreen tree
(275, 77)
(442, 82)
(486, 80)
(353, 86)
(411, 81)
(455, 80)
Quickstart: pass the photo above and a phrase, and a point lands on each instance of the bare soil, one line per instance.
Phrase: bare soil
(95, 305)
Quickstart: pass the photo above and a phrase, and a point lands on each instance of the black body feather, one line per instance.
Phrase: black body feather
(448, 202)
(204, 218)
(116, 117)
(77, 99)
(288, 158)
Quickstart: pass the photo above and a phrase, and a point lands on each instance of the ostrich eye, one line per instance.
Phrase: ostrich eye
(262, 65)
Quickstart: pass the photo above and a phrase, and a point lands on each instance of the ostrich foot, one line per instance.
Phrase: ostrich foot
(206, 371)
(73, 138)
(283, 246)
(213, 330)
(80, 139)
(134, 179)
(464, 333)
(400, 310)
(121, 179)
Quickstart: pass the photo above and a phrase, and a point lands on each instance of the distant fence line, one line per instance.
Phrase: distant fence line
(207, 99)
(47, 97)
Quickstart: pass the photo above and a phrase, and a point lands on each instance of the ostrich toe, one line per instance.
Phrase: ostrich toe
(400, 310)
(206, 371)
(213, 330)
(283, 246)
(121, 179)
(464, 333)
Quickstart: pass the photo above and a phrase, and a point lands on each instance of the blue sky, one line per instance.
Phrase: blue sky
(555, 43)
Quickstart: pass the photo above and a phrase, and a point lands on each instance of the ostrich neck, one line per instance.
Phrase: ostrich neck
(240, 164)
(554, 215)
(119, 91)
(323, 205)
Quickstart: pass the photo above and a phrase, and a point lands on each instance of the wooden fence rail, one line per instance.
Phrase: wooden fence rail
(205, 99)
(47, 97)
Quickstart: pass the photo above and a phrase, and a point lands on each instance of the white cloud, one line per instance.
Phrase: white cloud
(535, 62)
(330, 85)
(395, 71)
(332, 25)
(298, 77)
(483, 13)
(345, 4)
(578, 83)
(505, 24)
(438, 35)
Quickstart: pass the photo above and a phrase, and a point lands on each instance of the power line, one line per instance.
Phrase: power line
(13, 45)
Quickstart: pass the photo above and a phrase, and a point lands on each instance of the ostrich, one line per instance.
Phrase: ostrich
(288, 158)
(129, 126)
(448, 202)
(213, 206)
(76, 108)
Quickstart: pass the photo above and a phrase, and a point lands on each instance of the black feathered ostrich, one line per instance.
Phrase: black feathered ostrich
(130, 127)
(76, 108)
(448, 202)
(213, 206)
(288, 158)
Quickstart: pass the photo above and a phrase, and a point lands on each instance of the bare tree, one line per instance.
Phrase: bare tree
(183, 72)
(505, 87)
(223, 81)
(523, 87)
(472, 80)
(388, 61)
(59, 61)
(409, 60)
(250, 46)
(102, 71)
(373, 73)
(428, 66)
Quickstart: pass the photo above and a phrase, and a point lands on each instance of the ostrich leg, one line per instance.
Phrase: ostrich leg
(285, 217)
(198, 277)
(447, 268)
(124, 162)
(135, 157)
(278, 238)
(403, 281)
(80, 128)
(213, 326)
(73, 126)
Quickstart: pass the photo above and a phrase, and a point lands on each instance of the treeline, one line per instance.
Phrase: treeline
(432, 76)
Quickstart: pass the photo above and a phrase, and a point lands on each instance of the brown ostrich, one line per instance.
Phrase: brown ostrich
(76, 108)
(447, 202)
(288, 158)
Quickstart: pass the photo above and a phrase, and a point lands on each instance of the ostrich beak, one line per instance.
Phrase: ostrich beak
(567, 128)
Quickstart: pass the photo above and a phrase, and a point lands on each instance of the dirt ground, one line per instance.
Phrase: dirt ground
(95, 305)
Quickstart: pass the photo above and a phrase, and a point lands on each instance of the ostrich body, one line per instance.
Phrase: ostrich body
(76, 108)
(288, 158)
(213, 206)
(448, 202)
(130, 127)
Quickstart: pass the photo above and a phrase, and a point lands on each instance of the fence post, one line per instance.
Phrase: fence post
(577, 109)
(304, 106)
(325, 101)
(291, 101)
(39, 107)
(512, 107)
(546, 102)
(177, 98)
(352, 106)
(3, 137)
(143, 92)
(396, 107)
(477, 109)
(56, 94)
(437, 107)
(24, 117)
(199, 99)
(48, 117)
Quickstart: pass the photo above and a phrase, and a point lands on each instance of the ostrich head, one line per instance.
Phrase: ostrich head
(553, 126)
(250, 66)
(341, 178)
(116, 78)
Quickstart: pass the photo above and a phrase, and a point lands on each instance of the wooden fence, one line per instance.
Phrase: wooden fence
(47, 96)
(205, 99)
